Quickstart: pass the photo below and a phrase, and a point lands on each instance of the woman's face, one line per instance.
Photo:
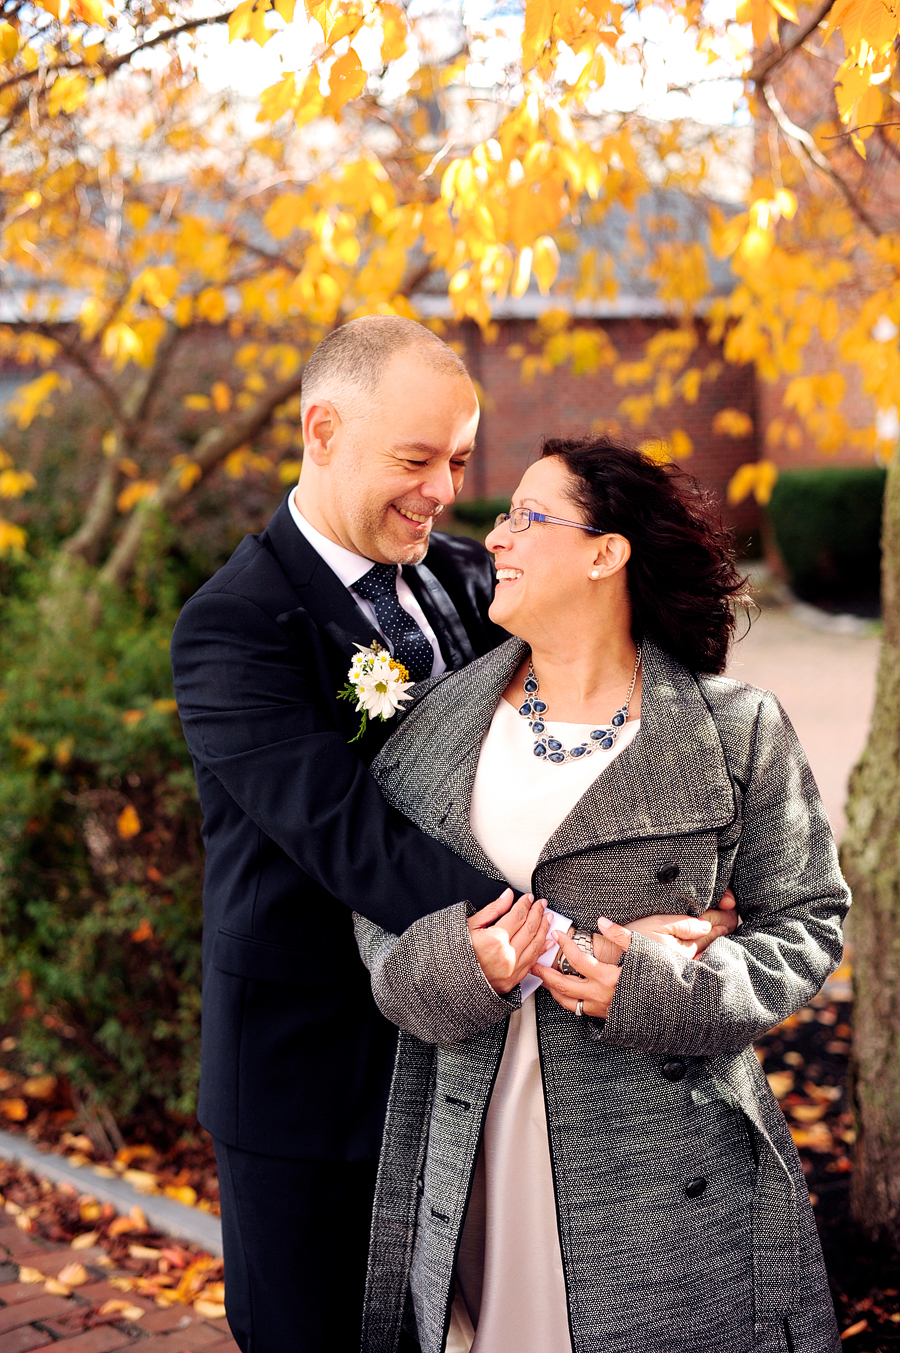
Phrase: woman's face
(543, 574)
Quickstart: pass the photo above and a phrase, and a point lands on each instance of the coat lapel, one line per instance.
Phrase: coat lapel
(672, 779)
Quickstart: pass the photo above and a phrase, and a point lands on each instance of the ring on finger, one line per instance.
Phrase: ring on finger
(579, 1008)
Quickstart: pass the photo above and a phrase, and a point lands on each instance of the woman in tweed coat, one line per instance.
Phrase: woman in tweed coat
(683, 1223)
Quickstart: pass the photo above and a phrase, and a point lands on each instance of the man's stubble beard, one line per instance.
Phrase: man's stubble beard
(372, 526)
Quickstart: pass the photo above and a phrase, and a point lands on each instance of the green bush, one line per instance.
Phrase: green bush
(100, 851)
(827, 525)
(480, 511)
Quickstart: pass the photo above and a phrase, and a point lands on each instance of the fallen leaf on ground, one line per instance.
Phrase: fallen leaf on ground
(807, 1113)
(780, 1083)
(74, 1274)
(85, 1240)
(815, 1138)
(855, 1329)
(31, 1275)
(16, 1110)
(142, 1252)
(40, 1087)
(123, 1308)
(212, 1310)
(56, 1288)
(182, 1194)
(89, 1210)
(142, 1180)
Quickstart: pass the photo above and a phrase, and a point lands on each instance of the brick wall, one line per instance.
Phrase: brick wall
(516, 416)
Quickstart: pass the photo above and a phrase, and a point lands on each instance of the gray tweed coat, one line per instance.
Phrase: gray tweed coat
(664, 1091)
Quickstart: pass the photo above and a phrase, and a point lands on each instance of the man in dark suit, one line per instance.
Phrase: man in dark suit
(296, 1059)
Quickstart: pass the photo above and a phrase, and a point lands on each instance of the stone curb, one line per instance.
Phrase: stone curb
(163, 1214)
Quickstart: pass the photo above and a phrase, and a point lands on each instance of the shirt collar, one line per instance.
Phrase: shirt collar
(346, 564)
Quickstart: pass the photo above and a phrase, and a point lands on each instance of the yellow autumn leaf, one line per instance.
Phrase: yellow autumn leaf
(221, 397)
(9, 42)
(732, 423)
(545, 263)
(394, 32)
(128, 824)
(182, 1193)
(346, 80)
(15, 1109)
(13, 483)
(67, 94)
(12, 538)
(134, 493)
(85, 1241)
(756, 477)
(28, 1274)
(212, 306)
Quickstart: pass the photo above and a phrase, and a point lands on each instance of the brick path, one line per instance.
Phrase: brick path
(32, 1318)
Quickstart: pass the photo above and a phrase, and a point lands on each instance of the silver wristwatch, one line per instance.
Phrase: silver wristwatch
(585, 941)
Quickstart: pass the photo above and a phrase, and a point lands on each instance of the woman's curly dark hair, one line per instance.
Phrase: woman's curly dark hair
(682, 575)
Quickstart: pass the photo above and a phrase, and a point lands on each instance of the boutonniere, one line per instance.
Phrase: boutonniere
(378, 683)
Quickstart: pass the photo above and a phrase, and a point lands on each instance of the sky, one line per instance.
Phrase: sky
(247, 69)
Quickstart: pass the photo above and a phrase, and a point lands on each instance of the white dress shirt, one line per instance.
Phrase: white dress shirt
(350, 567)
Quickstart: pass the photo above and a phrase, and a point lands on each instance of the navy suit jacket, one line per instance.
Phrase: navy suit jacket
(296, 1059)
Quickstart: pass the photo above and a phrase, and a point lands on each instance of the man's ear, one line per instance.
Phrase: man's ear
(321, 424)
(612, 554)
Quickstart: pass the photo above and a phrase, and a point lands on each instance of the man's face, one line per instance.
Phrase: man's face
(394, 469)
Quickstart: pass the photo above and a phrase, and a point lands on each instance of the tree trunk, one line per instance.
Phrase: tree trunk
(871, 859)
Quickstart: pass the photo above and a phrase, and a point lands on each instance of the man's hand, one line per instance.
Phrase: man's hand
(509, 938)
(690, 935)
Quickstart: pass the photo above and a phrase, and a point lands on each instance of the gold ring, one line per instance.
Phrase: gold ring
(579, 1008)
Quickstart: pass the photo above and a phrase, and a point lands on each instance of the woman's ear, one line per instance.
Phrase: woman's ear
(611, 555)
(321, 423)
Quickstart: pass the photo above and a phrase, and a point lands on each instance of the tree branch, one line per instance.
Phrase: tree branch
(812, 152)
(210, 451)
(764, 68)
(79, 359)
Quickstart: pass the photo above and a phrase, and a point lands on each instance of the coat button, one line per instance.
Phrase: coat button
(694, 1187)
(668, 873)
(674, 1070)
(420, 1185)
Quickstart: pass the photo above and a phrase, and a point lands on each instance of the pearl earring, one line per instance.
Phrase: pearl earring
(595, 573)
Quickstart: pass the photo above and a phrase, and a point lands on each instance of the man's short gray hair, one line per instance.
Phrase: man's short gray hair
(358, 352)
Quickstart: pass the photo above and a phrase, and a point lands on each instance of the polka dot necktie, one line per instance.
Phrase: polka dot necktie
(379, 586)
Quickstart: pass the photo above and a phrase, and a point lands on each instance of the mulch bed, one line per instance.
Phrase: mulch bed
(806, 1059)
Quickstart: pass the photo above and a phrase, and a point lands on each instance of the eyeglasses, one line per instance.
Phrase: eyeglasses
(520, 518)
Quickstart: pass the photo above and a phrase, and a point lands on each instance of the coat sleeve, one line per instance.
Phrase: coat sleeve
(792, 901)
(428, 981)
(253, 714)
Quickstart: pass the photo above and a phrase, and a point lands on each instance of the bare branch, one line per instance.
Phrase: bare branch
(853, 130)
(812, 152)
(88, 541)
(764, 68)
(210, 451)
(74, 353)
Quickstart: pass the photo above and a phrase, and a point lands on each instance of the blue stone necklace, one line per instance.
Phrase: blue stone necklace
(549, 748)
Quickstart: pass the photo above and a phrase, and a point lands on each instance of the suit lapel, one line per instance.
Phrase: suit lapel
(319, 591)
(442, 615)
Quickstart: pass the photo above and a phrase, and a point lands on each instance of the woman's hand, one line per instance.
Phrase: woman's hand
(509, 938)
(597, 983)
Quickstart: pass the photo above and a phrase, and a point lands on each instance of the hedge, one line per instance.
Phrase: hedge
(827, 525)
